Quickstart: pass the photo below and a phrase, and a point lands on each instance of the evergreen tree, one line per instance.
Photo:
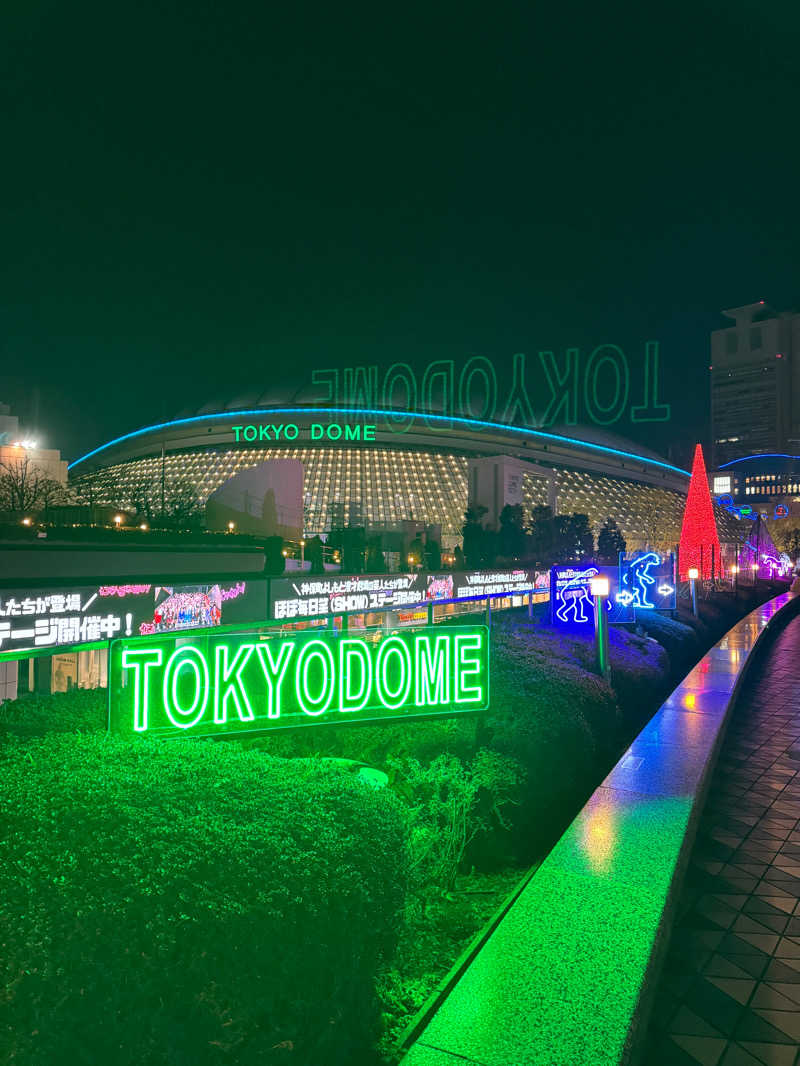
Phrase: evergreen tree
(511, 539)
(542, 536)
(314, 555)
(376, 562)
(573, 540)
(274, 559)
(582, 537)
(354, 548)
(416, 552)
(473, 535)
(610, 542)
(433, 554)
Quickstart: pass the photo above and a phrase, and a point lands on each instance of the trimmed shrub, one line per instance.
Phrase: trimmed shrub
(681, 642)
(36, 714)
(559, 722)
(191, 903)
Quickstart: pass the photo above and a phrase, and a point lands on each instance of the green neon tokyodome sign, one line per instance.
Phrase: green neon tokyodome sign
(242, 682)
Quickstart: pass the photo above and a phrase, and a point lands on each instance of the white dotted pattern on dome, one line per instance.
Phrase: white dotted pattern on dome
(385, 486)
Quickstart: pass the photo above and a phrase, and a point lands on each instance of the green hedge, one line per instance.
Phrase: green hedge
(191, 903)
(560, 723)
(36, 714)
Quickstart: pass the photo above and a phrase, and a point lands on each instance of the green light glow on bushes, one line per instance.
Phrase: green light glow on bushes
(239, 682)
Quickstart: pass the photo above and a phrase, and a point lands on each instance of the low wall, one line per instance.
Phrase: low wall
(566, 977)
(46, 562)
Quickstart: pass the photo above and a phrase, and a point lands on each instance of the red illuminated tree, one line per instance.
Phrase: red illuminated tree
(699, 530)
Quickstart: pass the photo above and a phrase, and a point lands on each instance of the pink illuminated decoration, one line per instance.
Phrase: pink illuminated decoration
(234, 592)
(123, 590)
(699, 537)
(759, 553)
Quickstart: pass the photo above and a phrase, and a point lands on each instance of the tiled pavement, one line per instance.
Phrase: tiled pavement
(730, 990)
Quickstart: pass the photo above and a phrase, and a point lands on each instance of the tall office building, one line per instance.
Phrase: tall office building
(755, 383)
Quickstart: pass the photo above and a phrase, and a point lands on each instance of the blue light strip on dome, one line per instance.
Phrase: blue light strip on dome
(761, 455)
(448, 419)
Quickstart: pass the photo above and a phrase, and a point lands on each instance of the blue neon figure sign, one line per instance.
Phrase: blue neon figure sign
(636, 580)
(572, 595)
(646, 582)
(571, 600)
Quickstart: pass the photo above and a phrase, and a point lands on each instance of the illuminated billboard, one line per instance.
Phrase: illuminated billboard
(228, 683)
(295, 599)
(40, 619)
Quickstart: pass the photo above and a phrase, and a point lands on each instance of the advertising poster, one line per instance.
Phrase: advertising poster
(310, 597)
(495, 582)
(33, 620)
(295, 599)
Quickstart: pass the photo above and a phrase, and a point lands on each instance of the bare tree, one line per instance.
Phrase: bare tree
(52, 493)
(657, 526)
(172, 503)
(25, 487)
(92, 489)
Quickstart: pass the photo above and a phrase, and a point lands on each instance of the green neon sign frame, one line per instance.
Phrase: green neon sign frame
(217, 684)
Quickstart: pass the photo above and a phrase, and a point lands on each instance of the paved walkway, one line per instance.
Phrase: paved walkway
(730, 989)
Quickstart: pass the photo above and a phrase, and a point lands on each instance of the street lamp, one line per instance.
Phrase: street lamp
(231, 527)
(26, 521)
(735, 572)
(302, 554)
(599, 587)
(144, 527)
(754, 568)
(117, 520)
(693, 573)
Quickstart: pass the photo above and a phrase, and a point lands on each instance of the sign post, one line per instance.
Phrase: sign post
(600, 589)
(693, 573)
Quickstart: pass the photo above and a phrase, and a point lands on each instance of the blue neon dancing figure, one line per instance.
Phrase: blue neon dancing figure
(636, 579)
(577, 596)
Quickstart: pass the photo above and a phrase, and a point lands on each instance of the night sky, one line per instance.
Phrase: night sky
(201, 198)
